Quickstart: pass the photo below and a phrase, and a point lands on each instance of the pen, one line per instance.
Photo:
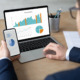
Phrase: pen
(58, 13)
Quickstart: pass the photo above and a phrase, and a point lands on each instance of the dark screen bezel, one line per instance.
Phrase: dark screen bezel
(27, 9)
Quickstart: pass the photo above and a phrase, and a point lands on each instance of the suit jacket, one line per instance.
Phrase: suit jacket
(70, 74)
(6, 70)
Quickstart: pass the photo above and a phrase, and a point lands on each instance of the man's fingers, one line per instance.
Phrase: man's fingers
(51, 56)
(50, 45)
(1, 47)
(48, 48)
(4, 44)
(15, 57)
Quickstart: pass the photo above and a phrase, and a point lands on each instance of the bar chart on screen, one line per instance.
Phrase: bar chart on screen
(29, 21)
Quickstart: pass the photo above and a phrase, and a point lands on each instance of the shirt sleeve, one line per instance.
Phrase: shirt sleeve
(4, 58)
(67, 53)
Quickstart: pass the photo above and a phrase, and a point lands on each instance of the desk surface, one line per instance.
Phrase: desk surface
(39, 69)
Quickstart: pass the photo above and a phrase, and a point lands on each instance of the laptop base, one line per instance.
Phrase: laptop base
(31, 55)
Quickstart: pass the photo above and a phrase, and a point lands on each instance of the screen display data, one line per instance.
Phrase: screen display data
(12, 43)
(28, 23)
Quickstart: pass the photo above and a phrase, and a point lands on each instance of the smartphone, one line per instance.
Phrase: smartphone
(11, 39)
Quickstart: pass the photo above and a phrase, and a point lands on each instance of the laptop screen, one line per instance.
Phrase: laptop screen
(29, 23)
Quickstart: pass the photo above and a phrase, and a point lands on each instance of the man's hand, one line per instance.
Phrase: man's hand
(4, 52)
(60, 51)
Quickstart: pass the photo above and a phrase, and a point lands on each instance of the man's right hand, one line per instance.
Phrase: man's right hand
(60, 51)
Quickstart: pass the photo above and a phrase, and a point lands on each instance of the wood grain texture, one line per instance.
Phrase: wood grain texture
(2, 27)
(39, 69)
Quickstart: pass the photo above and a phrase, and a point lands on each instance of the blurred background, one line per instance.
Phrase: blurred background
(52, 4)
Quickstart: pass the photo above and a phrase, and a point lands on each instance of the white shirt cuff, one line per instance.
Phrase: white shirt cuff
(67, 53)
(4, 58)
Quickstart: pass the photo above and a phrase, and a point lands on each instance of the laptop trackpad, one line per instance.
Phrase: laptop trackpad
(31, 55)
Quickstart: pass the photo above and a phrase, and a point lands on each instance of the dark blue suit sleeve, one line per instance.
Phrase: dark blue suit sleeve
(75, 54)
(65, 75)
(70, 74)
(6, 70)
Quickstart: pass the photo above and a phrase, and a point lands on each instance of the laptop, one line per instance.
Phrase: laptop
(32, 26)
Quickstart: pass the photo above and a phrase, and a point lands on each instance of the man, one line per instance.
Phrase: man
(6, 68)
(62, 53)
(7, 71)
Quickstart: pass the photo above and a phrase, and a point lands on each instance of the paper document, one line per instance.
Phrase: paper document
(72, 38)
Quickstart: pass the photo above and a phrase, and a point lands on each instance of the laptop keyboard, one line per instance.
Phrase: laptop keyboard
(31, 45)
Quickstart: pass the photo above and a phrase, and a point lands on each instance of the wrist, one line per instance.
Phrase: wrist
(67, 53)
(4, 58)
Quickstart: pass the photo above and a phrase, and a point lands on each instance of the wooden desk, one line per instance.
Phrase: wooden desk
(39, 69)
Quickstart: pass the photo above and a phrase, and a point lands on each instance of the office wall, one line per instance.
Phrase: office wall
(53, 4)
